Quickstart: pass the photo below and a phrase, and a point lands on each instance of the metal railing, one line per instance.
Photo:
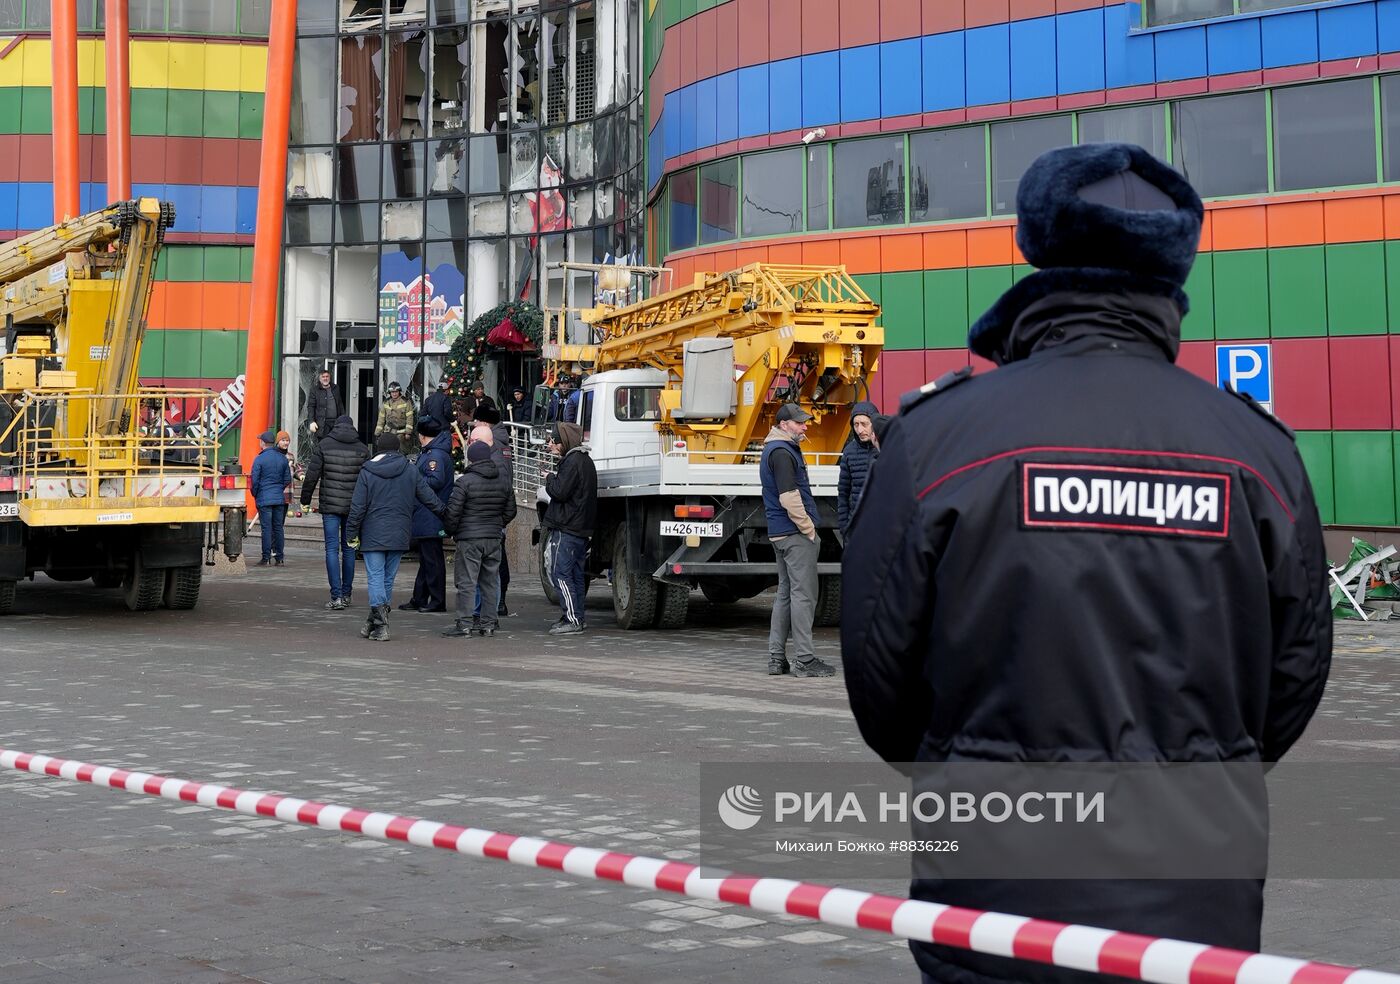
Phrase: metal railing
(530, 459)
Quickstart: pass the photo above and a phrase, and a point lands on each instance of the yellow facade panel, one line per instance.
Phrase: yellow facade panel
(223, 67)
(12, 65)
(186, 64)
(92, 62)
(38, 62)
(253, 78)
(150, 65)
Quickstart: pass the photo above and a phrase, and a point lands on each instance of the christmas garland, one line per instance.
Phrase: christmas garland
(467, 357)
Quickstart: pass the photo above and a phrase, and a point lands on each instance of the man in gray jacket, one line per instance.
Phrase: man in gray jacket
(482, 504)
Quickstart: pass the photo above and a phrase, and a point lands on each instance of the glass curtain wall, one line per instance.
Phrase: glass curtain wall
(444, 155)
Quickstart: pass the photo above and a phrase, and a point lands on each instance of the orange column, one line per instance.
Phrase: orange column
(267, 245)
(66, 201)
(118, 103)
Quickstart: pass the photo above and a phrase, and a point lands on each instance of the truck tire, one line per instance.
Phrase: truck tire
(829, 601)
(107, 579)
(634, 591)
(143, 587)
(673, 606)
(7, 597)
(546, 557)
(182, 587)
(718, 593)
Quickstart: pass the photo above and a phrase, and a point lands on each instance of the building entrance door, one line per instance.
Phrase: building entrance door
(356, 379)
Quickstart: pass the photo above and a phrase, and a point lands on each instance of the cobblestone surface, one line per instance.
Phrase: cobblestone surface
(594, 739)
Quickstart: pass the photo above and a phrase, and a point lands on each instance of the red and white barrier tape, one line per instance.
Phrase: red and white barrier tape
(1143, 958)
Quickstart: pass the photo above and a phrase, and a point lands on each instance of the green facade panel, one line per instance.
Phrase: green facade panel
(1392, 284)
(245, 264)
(984, 286)
(250, 115)
(11, 100)
(1242, 294)
(945, 308)
(152, 354)
(903, 308)
(1315, 447)
(184, 263)
(1364, 470)
(220, 114)
(184, 109)
(1297, 292)
(36, 110)
(148, 112)
(1356, 301)
(223, 263)
(1199, 323)
(870, 283)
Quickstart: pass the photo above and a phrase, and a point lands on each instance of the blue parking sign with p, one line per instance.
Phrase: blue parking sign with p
(1247, 369)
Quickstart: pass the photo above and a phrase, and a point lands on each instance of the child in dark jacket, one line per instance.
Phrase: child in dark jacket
(270, 478)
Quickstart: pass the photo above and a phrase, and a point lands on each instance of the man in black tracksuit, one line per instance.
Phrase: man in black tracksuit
(1089, 554)
(336, 461)
(573, 509)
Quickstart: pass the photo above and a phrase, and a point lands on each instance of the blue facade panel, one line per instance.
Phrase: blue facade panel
(860, 83)
(1181, 54)
(9, 206)
(1033, 58)
(671, 124)
(1079, 51)
(1388, 25)
(1289, 39)
(988, 64)
(1233, 46)
(821, 89)
(690, 120)
(944, 72)
(753, 101)
(1128, 60)
(188, 213)
(706, 134)
(900, 77)
(1346, 32)
(785, 95)
(218, 208)
(247, 210)
(656, 154)
(727, 107)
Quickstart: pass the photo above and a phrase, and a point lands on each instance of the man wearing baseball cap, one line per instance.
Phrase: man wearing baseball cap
(792, 528)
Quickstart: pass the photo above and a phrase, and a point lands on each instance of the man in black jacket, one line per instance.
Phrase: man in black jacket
(336, 461)
(439, 406)
(1158, 537)
(573, 509)
(323, 406)
(482, 504)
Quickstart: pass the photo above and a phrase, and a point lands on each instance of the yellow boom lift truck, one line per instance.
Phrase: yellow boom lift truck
(682, 389)
(94, 484)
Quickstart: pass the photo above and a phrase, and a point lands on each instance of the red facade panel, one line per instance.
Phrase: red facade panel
(706, 54)
(821, 26)
(940, 362)
(1198, 358)
(942, 15)
(784, 29)
(860, 23)
(1361, 384)
(977, 13)
(727, 37)
(902, 372)
(687, 50)
(900, 19)
(751, 30)
(1301, 380)
(36, 157)
(9, 156)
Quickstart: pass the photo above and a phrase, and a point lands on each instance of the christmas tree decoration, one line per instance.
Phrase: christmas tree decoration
(522, 329)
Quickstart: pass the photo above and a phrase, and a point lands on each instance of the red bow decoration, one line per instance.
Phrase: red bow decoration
(506, 336)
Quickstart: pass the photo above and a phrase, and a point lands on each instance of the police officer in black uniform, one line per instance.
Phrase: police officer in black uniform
(1089, 554)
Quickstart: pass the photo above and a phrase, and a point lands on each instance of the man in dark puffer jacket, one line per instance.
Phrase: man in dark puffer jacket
(857, 456)
(482, 504)
(435, 465)
(335, 464)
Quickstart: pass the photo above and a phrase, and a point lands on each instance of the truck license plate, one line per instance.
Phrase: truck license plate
(9, 508)
(692, 529)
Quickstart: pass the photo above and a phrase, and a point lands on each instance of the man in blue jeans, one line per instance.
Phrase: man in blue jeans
(573, 509)
(380, 524)
(335, 465)
(269, 480)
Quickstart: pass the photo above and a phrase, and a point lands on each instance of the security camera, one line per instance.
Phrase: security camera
(816, 134)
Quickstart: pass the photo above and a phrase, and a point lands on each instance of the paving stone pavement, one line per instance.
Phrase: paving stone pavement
(594, 739)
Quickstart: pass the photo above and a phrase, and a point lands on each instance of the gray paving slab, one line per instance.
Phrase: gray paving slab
(594, 739)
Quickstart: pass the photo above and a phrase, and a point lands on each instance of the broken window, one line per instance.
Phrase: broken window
(309, 173)
(312, 99)
(450, 81)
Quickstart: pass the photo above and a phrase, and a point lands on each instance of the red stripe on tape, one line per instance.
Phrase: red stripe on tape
(398, 828)
(1122, 954)
(737, 890)
(228, 798)
(877, 912)
(498, 846)
(610, 865)
(673, 875)
(1321, 973)
(552, 855)
(118, 778)
(953, 927)
(22, 761)
(153, 784)
(1216, 966)
(806, 900)
(189, 792)
(267, 805)
(446, 838)
(84, 773)
(310, 812)
(53, 766)
(354, 820)
(1036, 940)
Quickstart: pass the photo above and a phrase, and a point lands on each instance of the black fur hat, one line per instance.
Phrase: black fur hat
(1097, 217)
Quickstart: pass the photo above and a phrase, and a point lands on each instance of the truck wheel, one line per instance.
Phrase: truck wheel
(829, 601)
(634, 591)
(7, 596)
(107, 579)
(182, 587)
(717, 593)
(673, 606)
(546, 555)
(143, 587)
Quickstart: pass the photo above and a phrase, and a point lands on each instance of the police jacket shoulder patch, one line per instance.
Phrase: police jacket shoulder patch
(1254, 405)
(944, 382)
